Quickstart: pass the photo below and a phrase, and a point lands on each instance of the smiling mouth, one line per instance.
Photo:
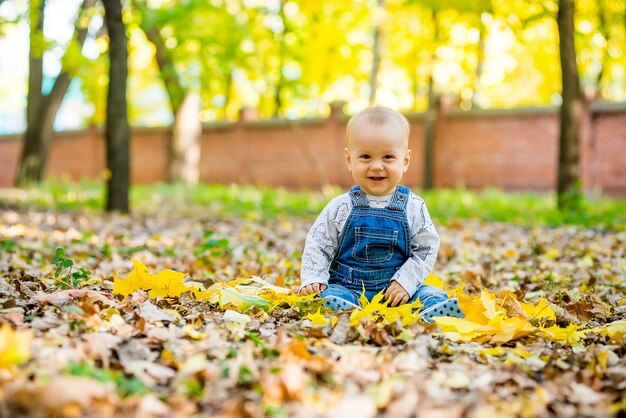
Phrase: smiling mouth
(377, 178)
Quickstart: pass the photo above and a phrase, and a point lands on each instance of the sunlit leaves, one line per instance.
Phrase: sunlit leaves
(167, 283)
(239, 294)
(377, 310)
(317, 318)
(500, 318)
(544, 330)
(489, 317)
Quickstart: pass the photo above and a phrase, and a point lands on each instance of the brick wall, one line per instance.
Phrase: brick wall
(509, 149)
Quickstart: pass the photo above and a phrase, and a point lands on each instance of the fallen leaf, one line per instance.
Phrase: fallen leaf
(14, 346)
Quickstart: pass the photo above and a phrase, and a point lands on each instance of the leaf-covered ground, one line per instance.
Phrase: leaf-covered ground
(544, 334)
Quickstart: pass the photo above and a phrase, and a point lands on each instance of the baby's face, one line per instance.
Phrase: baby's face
(377, 156)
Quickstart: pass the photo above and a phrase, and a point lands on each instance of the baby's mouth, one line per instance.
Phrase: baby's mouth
(376, 178)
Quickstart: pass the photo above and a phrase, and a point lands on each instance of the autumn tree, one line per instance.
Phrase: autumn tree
(117, 130)
(42, 108)
(568, 184)
(184, 136)
(601, 46)
(432, 113)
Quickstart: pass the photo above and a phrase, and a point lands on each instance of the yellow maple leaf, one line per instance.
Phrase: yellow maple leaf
(434, 280)
(378, 310)
(539, 311)
(318, 319)
(369, 308)
(292, 299)
(138, 278)
(465, 329)
(167, 283)
(487, 321)
(14, 346)
(570, 334)
(509, 329)
(473, 310)
(490, 309)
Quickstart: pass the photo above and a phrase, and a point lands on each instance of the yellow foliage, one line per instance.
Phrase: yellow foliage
(14, 346)
(230, 298)
(318, 319)
(239, 294)
(167, 283)
(570, 335)
(487, 320)
(494, 318)
(434, 280)
(377, 309)
(539, 311)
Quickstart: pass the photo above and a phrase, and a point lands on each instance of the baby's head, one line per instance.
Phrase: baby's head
(377, 117)
(377, 152)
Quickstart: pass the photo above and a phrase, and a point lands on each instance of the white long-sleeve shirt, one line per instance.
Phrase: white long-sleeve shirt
(323, 239)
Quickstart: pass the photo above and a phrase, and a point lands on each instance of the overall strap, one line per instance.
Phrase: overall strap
(357, 195)
(400, 198)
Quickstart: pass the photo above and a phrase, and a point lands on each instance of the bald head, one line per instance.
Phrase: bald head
(376, 117)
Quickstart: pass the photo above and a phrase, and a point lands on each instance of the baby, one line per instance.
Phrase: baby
(379, 235)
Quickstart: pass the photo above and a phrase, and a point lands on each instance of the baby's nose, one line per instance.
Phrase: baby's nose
(377, 165)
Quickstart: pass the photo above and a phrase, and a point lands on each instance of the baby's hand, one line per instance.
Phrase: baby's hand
(312, 288)
(396, 295)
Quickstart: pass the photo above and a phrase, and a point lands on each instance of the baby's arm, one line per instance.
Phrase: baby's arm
(320, 247)
(424, 247)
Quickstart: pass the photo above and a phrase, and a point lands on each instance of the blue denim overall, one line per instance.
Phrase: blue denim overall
(374, 245)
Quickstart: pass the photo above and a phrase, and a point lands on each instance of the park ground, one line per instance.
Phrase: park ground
(94, 322)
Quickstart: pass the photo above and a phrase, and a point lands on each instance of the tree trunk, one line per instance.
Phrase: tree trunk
(30, 166)
(280, 84)
(376, 51)
(568, 186)
(183, 163)
(41, 110)
(430, 133)
(117, 129)
(480, 58)
(432, 115)
(184, 155)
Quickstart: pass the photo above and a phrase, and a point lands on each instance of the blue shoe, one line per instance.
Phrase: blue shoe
(338, 304)
(448, 307)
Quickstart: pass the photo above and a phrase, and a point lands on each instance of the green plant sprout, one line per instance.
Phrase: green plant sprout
(73, 278)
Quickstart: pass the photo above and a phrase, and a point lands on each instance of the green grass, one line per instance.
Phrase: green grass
(526, 208)
(445, 205)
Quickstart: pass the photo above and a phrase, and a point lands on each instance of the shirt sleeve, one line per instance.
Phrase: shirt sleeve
(424, 247)
(322, 241)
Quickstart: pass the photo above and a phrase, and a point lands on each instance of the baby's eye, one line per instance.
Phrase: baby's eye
(390, 157)
(364, 156)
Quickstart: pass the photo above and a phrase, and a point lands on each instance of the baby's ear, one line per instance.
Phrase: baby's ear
(407, 160)
(346, 154)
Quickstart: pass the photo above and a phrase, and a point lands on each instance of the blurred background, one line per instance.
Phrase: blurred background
(488, 69)
(293, 58)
